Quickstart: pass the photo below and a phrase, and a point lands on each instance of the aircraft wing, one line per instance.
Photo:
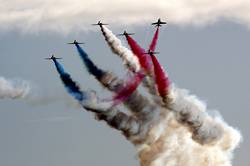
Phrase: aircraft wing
(155, 52)
(100, 24)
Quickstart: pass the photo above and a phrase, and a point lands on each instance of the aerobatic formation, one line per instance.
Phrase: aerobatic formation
(169, 127)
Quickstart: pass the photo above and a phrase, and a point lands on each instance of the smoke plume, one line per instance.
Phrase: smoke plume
(179, 132)
(129, 87)
(154, 40)
(124, 90)
(185, 134)
(103, 110)
(116, 46)
(91, 67)
(161, 79)
(13, 89)
(143, 58)
(69, 84)
(87, 99)
(146, 64)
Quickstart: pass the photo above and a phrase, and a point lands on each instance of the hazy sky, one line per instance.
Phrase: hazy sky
(211, 60)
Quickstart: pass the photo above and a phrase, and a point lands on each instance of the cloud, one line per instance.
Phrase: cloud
(68, 15)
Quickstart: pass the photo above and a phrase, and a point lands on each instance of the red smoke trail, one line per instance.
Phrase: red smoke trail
(154, 41)
(129, 87)
(132, 84)
(144, 59)
(161, 79)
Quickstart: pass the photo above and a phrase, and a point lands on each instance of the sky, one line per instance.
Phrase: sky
(204, 48)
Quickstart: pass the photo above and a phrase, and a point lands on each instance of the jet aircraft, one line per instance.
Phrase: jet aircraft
(75, 42)
(52, 57)
(158, 23)
(100, 23)
(125, 34)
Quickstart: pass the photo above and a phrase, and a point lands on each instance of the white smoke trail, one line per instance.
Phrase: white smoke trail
(130, 60)
(185, 134)
(13, 89)
(181, 133)
(32, 94)
(116, 46)
(175, 147)
(191, 112)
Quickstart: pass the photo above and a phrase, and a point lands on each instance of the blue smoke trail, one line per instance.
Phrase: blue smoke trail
(91, 67)
(69, 84)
